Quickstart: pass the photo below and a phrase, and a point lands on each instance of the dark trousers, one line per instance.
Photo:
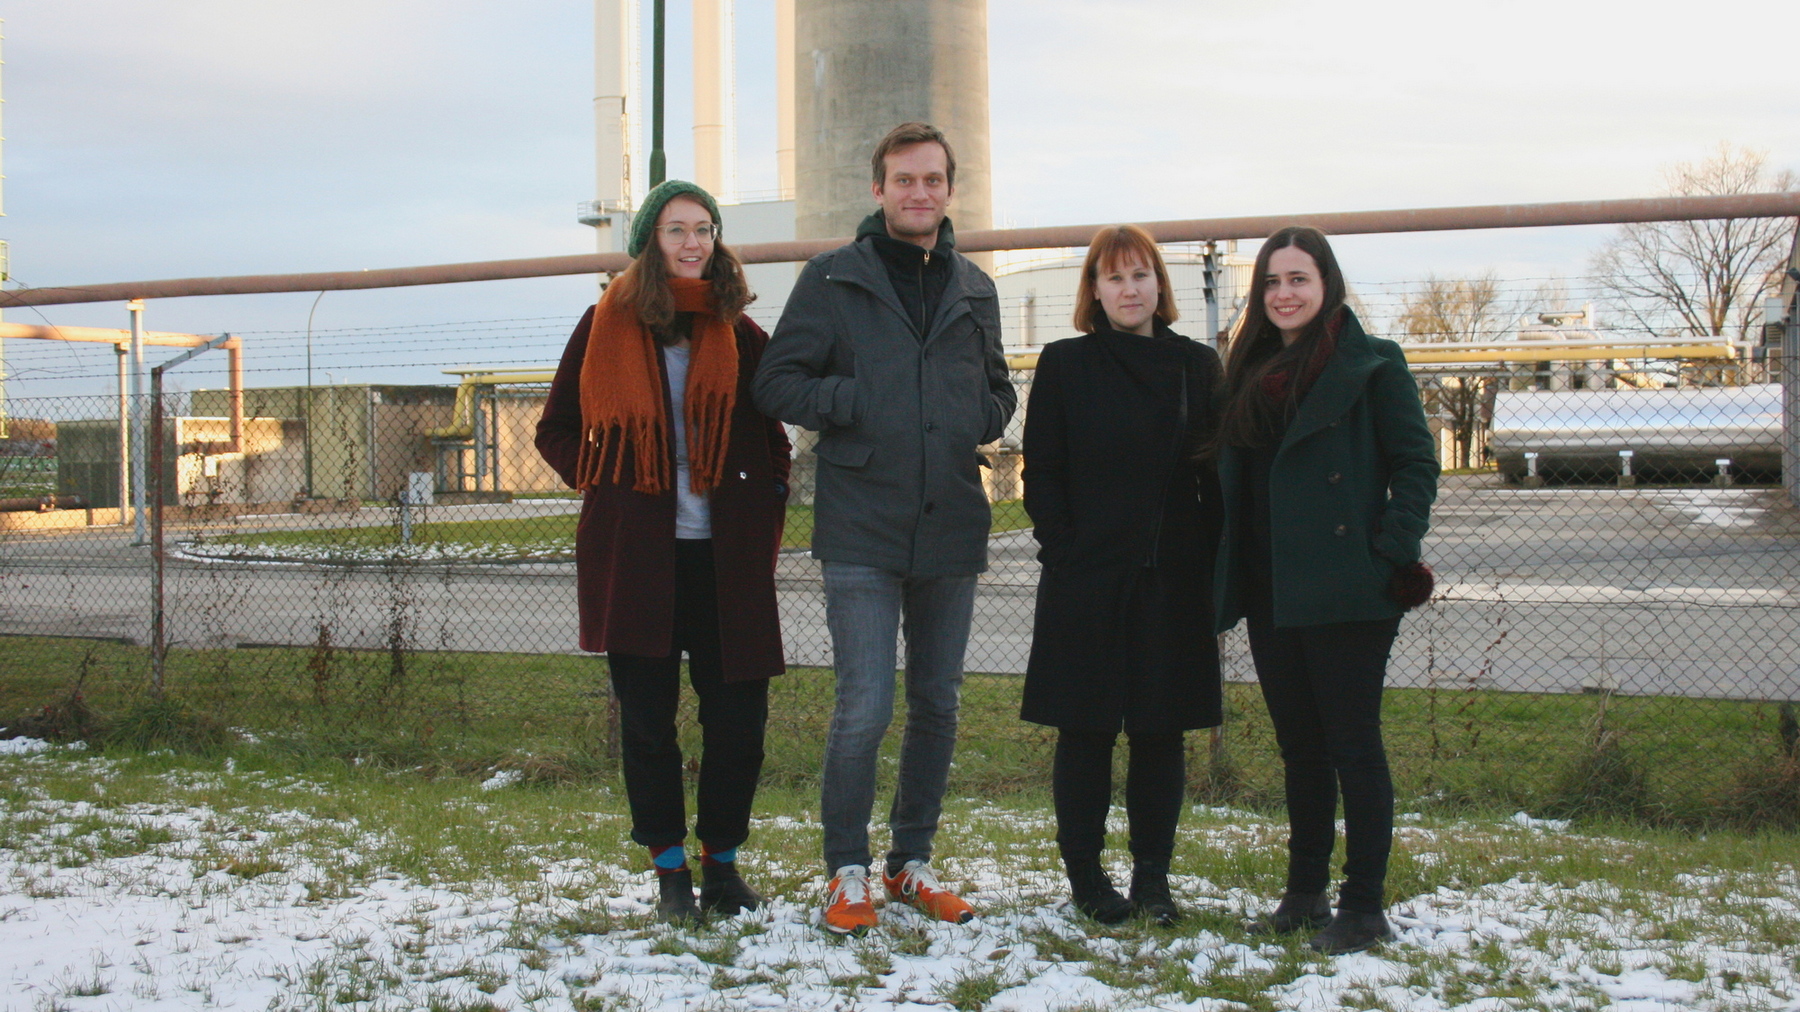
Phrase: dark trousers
(1323, 685)
(732, 718)
(1081, 784)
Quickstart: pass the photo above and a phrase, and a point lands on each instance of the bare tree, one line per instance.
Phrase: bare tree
(1699, 277)
(1456, 309)
(1445, 310)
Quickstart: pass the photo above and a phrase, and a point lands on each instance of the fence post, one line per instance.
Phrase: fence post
(136, 306)
(158, 637)
(1209, 266)
(1790, 396)
(124, 439)
(158, 643)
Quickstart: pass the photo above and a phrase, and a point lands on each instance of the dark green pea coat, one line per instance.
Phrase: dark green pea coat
(1350, 491)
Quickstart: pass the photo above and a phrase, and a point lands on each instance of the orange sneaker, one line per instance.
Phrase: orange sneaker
(917, 886)
(848, 909)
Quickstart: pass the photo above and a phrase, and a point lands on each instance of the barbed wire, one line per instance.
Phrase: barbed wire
(470, 342)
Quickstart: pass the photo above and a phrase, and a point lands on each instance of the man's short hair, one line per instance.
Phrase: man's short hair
(905, 135)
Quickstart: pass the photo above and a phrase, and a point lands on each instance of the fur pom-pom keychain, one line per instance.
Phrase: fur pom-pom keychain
(1411, 585)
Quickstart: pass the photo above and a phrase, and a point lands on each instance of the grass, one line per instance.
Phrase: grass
(545, 718)
(518, 539)
(542, 869)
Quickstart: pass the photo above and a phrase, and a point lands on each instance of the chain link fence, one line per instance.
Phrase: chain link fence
(385, 572)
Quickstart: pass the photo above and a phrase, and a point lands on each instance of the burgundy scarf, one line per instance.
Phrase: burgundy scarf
(1275, 382)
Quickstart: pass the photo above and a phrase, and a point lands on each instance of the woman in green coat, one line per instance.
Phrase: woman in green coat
(1328, 473)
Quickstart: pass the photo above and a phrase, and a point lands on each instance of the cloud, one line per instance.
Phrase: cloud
(189, 137)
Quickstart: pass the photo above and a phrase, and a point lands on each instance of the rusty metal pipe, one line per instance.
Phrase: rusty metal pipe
(234, 355)
(100, 335)
(234, 348)
(1430, 219)
(42, 504)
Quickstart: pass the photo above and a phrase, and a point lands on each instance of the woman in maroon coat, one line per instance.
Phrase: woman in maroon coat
(685, 492)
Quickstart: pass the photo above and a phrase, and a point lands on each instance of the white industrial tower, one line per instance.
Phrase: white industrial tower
(618, 110)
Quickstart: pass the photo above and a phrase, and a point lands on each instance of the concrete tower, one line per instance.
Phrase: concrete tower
(615, 118)
(861, 67)
(715, 98)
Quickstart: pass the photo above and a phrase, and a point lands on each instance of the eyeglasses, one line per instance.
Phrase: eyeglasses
(678, 234)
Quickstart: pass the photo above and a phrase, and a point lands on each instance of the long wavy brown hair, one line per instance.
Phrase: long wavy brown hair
(645, 286)
(1250, 415)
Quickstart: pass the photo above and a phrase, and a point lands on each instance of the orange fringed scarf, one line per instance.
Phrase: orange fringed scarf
(622, 395)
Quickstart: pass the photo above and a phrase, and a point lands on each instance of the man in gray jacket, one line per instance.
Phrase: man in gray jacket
(890, 349)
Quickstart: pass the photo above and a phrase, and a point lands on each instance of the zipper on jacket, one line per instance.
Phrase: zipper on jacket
(924, 324)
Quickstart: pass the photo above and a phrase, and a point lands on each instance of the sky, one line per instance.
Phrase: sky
(214, 137)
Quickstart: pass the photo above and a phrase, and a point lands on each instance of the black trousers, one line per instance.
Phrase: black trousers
(1323, 686)
(1081, 785)
(732, 718)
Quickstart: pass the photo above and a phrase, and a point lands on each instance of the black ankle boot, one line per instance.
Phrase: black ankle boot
(1295, 912)
(675, 897)
(1150, 896)
(1352, 931)
(1093, 894)
(723, 892)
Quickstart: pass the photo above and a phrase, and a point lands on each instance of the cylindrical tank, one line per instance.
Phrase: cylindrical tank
(1674, 435)
(862, 67)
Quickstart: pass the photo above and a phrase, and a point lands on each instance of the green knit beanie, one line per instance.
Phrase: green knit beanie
(643, 221)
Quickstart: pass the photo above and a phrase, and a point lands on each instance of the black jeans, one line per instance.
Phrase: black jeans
(1323, 685)
(732, 718)
(1081, 784)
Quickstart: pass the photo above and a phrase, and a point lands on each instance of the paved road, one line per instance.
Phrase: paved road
(1692, 592)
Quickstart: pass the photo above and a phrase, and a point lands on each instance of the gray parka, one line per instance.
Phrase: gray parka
(899, 413)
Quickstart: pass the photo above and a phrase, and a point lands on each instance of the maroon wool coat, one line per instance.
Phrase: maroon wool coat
(625, 541)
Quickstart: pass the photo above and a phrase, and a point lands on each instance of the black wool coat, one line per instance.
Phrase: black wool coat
(1127, 525)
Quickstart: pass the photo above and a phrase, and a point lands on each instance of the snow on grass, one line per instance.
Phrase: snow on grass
(188, 903)
(546, 551)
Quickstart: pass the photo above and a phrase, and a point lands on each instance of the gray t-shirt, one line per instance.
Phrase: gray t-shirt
(693, 513)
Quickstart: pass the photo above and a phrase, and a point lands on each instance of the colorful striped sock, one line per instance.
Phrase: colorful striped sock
(708, 856)
(668, 859)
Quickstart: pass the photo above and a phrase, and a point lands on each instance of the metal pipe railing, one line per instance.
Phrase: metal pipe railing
(159, 644)
(1429, 219)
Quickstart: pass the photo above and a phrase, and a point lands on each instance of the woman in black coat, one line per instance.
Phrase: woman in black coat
(1127, 524)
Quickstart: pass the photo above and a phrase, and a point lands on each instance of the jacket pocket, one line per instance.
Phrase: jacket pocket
(844, 452)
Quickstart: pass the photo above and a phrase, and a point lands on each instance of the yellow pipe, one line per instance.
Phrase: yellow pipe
(1498, 354)
(1417, 355)
(462, 424)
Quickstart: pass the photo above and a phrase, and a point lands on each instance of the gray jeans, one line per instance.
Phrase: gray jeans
(864, 606)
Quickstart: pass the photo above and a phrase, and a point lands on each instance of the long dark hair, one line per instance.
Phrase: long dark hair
(645, 287)
(1250, 416)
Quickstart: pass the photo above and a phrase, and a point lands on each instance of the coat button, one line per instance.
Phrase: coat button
(930, 426)
(930, 506)
(1334, 477)
(744, 475)
(1341, 530)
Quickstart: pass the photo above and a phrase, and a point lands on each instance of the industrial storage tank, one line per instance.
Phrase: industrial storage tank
(1673, 434)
